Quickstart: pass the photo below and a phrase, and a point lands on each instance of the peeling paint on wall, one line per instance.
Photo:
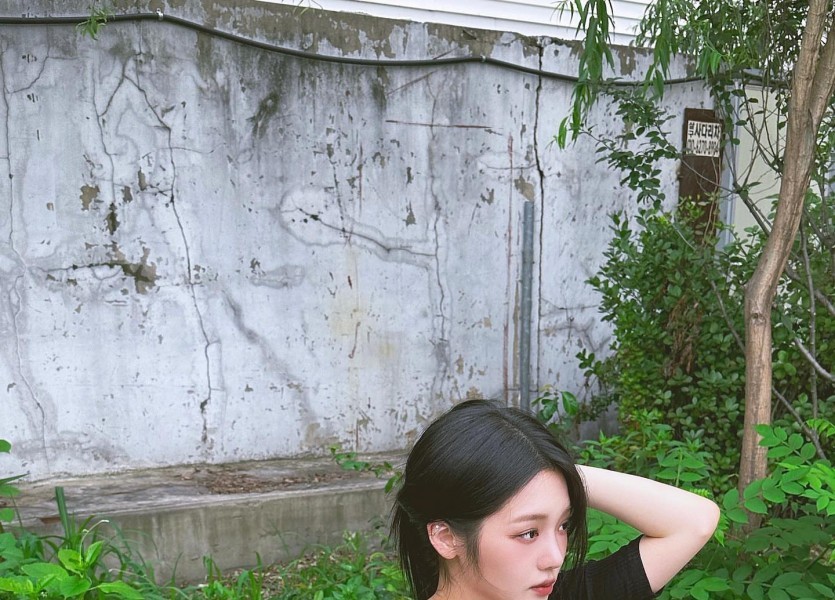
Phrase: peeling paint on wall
(144, 275)
(89, 194)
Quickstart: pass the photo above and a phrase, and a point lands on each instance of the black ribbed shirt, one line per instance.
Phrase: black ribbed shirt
(620, 576)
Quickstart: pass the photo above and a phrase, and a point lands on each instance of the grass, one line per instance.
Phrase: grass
(357, 569)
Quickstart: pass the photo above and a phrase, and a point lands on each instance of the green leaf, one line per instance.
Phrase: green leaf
(39, 570)
(779, 452)
(92, 554)
(73, 586)
(5, 446)
(774, 495)
(742, 573)
(730, 499)
(562, 133)
(18, 586)
(699, 593)
(737, 515)
(71, 559)
(713, 584)
(823, 590)
(7, 514)
(787, 579)
(756, 505)
(753, 489)
(807, 452)
(570, 404)
(120, 589)
(775, 593)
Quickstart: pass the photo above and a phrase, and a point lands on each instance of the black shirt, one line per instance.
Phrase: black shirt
(620, 576)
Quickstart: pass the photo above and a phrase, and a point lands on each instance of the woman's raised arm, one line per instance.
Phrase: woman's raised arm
(675, 523)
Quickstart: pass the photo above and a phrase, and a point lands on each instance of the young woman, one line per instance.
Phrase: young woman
(492, 507)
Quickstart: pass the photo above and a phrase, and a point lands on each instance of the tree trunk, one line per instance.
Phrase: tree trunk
(812, 87)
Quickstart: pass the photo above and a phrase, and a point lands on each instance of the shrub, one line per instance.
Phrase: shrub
(675, 303)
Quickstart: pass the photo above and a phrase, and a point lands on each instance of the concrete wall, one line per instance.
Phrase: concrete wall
(213, 252)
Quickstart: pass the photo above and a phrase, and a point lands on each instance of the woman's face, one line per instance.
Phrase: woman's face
(521, 547)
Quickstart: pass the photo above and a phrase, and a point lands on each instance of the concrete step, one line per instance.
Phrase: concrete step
(173, 517)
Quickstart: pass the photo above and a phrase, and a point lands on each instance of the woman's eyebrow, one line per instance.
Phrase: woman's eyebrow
(538, 516)
(531, 517)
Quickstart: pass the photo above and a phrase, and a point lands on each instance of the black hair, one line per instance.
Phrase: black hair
(465, 467)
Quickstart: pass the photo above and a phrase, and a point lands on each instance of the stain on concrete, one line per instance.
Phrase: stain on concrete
(379, 87)
(489, 197)
(410, 215)
(142, 180)
(474, 394)
(112, 219)
(89, 194)
(267, 109)
(255, 267)
(144, 275)
(285, 276)
(627, 62)
(127, 195)
(524, 187)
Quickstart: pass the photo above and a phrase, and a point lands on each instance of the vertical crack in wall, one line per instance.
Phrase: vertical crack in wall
(100, 124)
(338, 194)
(442, 345)
(8, 156)
(541, 172)
(207, 399)
(26, 383)
(439, 280)
(18, 306)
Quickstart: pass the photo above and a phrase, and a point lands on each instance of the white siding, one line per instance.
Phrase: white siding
(528, 17)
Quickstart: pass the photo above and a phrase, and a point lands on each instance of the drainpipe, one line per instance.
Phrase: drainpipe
(525, 317)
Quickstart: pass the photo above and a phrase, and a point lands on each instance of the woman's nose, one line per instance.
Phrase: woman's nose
(553, 554)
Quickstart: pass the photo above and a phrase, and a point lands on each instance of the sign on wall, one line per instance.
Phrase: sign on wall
(703, 138)
(701, 166)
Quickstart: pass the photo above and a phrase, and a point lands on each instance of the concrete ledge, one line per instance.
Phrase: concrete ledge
(172, 518)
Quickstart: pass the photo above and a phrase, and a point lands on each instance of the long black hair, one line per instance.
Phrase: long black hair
(463, 468)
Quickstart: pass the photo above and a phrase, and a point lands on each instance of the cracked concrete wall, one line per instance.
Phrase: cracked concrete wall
(213, 252)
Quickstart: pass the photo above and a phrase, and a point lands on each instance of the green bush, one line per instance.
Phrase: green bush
(792, 555)
(351, 571)
(675, 303)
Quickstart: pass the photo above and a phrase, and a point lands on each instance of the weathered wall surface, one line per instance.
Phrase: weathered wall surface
(213, 252)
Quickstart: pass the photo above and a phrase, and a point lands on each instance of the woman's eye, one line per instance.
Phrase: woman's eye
(565, 527)
(529, 535)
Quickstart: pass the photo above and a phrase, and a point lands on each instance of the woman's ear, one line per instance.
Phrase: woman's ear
(443, 539)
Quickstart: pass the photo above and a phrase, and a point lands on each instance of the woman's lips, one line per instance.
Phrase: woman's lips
(544, 588)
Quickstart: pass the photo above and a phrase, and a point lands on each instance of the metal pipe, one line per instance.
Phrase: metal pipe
(525, 309)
